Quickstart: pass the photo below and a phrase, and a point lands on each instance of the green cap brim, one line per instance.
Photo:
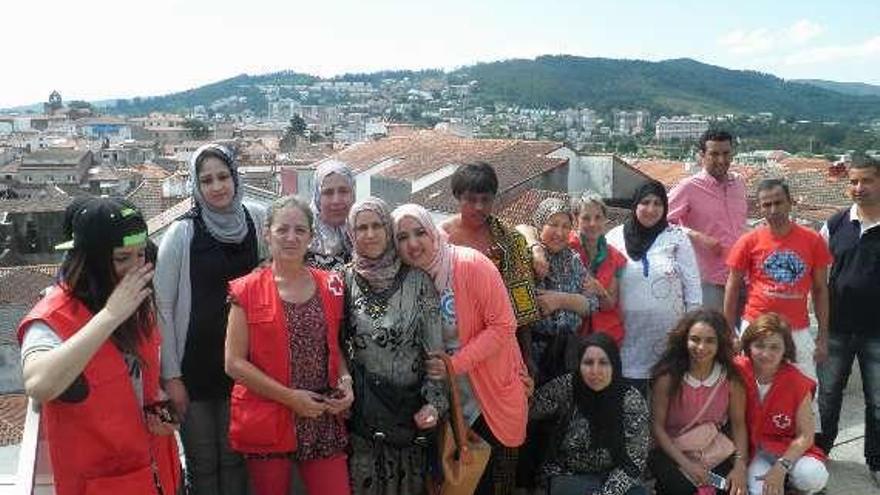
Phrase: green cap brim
(64, 246)
(129, 240)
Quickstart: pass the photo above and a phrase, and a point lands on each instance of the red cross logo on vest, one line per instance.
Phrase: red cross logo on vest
(782, 421)
(334, 284)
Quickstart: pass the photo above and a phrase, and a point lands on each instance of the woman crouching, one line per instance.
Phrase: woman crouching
(778, 412)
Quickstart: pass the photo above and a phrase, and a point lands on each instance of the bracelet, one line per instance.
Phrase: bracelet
(343, 379)
(785, 463)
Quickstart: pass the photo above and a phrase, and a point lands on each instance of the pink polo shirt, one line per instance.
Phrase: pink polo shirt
(715, 208)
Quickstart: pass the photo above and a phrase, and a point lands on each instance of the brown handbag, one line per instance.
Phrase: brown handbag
(463, 454)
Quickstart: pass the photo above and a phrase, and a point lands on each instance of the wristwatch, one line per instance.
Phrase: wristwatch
(785, 463)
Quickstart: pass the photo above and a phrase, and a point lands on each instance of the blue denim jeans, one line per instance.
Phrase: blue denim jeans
(833, 376)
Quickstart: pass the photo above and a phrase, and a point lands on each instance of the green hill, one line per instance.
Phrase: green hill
(680, 86)
(847, 88)
(667, 87)
(244, 87)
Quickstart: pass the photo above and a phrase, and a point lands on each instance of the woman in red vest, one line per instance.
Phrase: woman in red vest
(90, 354)
(282, 350)
(778, 412)
(604, 263)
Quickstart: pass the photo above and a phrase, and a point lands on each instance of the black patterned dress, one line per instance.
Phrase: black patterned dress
(575, 453)
(387, 335)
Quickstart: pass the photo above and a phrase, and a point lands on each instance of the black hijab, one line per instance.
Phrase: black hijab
(603, 410)
(637, 237)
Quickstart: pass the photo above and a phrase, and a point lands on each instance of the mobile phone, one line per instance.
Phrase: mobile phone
(717, 481)
(164, 410)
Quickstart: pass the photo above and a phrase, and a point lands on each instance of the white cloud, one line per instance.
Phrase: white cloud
(763, 40)
(868, 49)
(741, 42)
(803, 31)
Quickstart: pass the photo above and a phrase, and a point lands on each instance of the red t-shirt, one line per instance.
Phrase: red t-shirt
(779, 271)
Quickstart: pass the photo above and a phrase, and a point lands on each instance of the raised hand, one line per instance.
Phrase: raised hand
(129, 293)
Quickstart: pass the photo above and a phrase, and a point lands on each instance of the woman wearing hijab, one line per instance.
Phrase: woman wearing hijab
(478, 331)
(332, 197)
(600, 442)
(393, 321)
(560, 297)
(659, 284)
(217, 241)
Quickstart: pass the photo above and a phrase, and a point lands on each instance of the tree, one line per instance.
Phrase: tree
(197, 129)
(296, 129)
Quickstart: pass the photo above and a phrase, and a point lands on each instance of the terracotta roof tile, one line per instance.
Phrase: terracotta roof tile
(149, 171)
(798, 163)
(13, 408)
(521, 209)
(667, 172)
(159, 222)
(147, 196)
(806, 186)
(42, 205)
(23, 284)
(423, 152)
(53, 156)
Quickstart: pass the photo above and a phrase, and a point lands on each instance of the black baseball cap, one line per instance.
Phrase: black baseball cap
(103, 223)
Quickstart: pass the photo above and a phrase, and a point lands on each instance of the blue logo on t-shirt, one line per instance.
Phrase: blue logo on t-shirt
(785, 267)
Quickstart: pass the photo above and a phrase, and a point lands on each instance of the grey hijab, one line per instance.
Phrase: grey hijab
(329, 240)
(228, 224)
(379, 272)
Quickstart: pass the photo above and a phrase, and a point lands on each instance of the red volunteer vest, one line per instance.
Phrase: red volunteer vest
(258, 425)
(772, 423)
(101, 445)
(607, 321)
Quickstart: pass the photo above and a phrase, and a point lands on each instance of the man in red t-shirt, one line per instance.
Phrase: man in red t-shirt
(783, 263)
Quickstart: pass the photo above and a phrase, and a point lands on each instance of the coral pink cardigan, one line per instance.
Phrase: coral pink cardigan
(489, 353)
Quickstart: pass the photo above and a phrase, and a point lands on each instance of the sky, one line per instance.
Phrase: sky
(101, 49)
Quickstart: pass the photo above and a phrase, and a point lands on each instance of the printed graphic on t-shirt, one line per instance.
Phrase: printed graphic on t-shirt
(785, 267)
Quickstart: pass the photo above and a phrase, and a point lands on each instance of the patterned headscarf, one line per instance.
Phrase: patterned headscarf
(548, 208)
(379, 272)
(329, 240)
(440, 267)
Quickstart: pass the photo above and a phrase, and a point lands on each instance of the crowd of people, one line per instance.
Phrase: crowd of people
(323, 345)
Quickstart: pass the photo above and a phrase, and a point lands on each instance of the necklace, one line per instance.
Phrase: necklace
(375, 303)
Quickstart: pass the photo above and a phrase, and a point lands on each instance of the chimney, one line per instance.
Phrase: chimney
(837, 169)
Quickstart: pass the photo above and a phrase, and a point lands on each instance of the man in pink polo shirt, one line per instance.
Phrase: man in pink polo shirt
(712, 206)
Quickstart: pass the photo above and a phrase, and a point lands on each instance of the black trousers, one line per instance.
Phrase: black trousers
(670, 480)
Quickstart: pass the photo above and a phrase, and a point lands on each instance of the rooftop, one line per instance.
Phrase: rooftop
(53, 156)
(42, 205)
(422, 152)
(13, 408)
(520, 210)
